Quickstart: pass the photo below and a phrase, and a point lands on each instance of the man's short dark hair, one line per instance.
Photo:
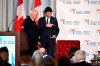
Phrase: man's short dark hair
(24, 54)
(4, 49)
(47, 9)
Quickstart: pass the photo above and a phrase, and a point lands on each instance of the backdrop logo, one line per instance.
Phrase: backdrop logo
(86, 1)
(72, 10)
(98, 10)
(75, 32)
(61, 0)
(75, 11)
(72, 31)
(87, 21)
(98, 31)
(0, 40)
(87, 42)
(66, 1)
(62, 20)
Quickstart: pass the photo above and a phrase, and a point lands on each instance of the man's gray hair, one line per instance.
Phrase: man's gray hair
(32, 11)
(37, 58)
(80, 55)
(43, 50)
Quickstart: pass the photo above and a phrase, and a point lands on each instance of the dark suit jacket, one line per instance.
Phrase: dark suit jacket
(7, 64)
(83, 63)
(47, 32)
(48, 57)
(30, 27)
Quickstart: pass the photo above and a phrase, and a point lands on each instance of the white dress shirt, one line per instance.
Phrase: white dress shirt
(31, 18)
(48, 20)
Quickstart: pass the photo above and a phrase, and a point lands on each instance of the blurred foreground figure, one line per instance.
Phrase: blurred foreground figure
(25, 58)
(45, 55)
(80, 57)
(4, 53)
(37, 59)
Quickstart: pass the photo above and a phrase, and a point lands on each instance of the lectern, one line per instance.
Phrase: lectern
(21, 43)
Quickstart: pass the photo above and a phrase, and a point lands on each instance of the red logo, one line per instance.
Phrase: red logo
(98, 10)
(98, 31)
(86, 21)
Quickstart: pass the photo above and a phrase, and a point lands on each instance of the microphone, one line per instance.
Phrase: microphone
(9, 26)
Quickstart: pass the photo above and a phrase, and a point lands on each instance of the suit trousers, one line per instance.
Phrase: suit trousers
(49, 45)
(32, 44)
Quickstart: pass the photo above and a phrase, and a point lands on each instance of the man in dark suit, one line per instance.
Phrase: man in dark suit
(25, 58)
(80, 57)
(46, 57)
(31, 29)
(49, 30)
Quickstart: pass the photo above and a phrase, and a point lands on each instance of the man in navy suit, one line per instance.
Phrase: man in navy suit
(49, 30)
(46, 57)
(31, 29)
(25, 58)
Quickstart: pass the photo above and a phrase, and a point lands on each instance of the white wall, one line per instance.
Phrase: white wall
(0, 15)
(4, 13)
(10, 13)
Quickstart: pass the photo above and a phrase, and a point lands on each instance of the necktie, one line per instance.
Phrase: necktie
(47, 20)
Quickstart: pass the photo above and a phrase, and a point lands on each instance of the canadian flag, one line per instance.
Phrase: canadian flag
(20, 17)
(37, 6)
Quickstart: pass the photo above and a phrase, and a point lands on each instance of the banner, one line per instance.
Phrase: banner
(80, 20)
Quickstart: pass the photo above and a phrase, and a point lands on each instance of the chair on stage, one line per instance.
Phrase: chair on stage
(63, 46)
